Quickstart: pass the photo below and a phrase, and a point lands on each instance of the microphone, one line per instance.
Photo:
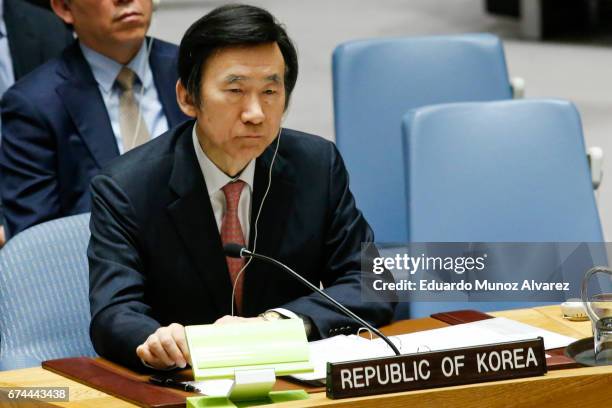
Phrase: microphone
(233, 250)
(238, 251)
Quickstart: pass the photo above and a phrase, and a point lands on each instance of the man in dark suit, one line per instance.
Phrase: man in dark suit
(108, 92)
(162, 213)
(29, 36)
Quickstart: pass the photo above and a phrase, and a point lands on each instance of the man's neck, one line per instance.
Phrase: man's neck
(238, 173)
(122, 54)
(231, 168)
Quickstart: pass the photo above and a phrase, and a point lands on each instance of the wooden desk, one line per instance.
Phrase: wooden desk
(549, 318)
(572, 387)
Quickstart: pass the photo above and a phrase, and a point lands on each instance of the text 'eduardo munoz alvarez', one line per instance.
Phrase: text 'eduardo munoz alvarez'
(458, 266)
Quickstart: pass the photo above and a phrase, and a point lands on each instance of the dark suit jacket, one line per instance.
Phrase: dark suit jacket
(40, 3)
(56, 135)
(155, 255)
(34, 35)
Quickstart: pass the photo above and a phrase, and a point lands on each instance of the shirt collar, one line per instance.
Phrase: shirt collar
(214, 177)
(105, 70)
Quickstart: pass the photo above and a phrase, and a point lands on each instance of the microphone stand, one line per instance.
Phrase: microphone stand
(230, 250)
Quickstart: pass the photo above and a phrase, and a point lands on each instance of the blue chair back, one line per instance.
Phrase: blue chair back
(507, 171)
(376, 81)
(44, 294)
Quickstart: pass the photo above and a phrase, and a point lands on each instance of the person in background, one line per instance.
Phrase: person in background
(29, 36)
(109, 91)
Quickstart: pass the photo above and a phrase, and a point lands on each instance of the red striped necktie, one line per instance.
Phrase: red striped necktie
(231, 233)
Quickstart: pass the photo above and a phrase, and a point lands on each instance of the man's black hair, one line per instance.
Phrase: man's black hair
(227, 26)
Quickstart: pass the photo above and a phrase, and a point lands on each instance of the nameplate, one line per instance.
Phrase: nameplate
(434, 369)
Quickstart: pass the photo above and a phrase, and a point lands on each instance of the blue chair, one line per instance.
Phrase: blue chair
(44, 294)
(507, 171)
(376, 81)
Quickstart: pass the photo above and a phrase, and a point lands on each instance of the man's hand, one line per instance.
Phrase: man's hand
(227, 319)
(166, 348)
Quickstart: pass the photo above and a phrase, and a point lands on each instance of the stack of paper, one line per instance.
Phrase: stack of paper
(489, 331)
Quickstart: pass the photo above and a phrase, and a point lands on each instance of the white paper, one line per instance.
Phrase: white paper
(489, 331)
(336, 349)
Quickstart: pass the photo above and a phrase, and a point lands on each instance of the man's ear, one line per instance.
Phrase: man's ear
(63, 11)
(185, 101)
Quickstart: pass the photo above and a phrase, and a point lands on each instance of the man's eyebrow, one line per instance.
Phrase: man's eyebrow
(274, 78)
(230, 79)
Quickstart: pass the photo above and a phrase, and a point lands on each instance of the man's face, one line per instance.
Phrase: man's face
(107, 23)
(243, 101)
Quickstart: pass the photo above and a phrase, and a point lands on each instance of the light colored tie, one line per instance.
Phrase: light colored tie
(133, 127)
(231, 233)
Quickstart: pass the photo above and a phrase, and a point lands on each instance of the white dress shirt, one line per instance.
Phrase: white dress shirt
(216, 180)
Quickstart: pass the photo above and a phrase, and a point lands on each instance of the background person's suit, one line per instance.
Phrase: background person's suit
(156, 257)
(57, 135)
(34, 35)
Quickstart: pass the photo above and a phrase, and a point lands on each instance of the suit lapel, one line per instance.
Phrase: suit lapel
(91, 119)
(164, 77)
(193, 218)
(275, 212)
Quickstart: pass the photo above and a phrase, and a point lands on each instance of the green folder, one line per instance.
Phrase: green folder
(217, 351)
